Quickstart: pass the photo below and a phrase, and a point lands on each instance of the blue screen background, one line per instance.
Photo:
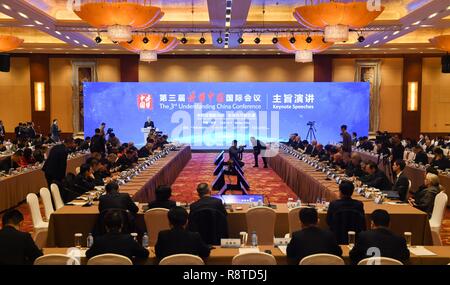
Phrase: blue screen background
(334, 104)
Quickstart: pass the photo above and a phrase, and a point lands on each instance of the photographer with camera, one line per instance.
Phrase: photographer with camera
(236, 152)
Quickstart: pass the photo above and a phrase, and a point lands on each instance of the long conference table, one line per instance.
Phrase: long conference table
(14, 189)
(415, 174)
(224, 256)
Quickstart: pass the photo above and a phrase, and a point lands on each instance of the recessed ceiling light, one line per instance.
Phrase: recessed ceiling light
(29, 25)
(432, 15)
(48, 28)
(426, 26)
(6, 7)
(37, 22)
(75, 41)
(67, 37)
(366, 46)
(396, 33)
(448, 7)
(385, 37)
(23, 15)
(416, 23)
(58, 32)
(85, 46)
(375, 42)
(407, 28)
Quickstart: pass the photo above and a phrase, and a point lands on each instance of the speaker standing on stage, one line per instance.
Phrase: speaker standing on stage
(257, 147)
(149, 123)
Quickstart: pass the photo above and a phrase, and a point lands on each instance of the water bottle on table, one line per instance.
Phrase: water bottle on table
(145, 240)
(90, 241)
(254, 239)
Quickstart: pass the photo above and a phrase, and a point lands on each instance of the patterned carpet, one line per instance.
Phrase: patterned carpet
(261, 180)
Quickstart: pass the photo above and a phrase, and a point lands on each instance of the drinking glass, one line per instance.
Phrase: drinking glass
(78, 237)
(408, 238)
(351, 239)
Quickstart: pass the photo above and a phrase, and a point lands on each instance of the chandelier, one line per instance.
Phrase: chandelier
(9, 43)
(148, 46)
(441, 42)
(336, 18)
(303, 46)
(120, 18)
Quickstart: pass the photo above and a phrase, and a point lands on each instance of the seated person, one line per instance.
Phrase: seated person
(16, 247)
(423, 198)
(401, 182)
(127, 160)
(375, 177)
(38, 153)
(318, 151)
(113, 140)
(85, 179)
(95, 166)
(310, 148)
(439, 160)
(311, 239)
(146, 150)
(28, 156)
(10, 161)
(178, 240)
(85, 144)
(162, 193)
(421, 156)
(428, 147)
(114, 241)
(115, 200)
(206, 201)
(101, 170)
(379, 237)
(366, 144)
(354, 167)
(338, 161)
(344, 203)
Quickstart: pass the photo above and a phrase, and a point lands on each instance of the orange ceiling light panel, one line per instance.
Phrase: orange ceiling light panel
(316, 45)
(441, 42)
(119, 17)
(336, 18)
(9, 43)
(149, 50)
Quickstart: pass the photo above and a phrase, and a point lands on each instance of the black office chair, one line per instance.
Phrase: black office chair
(211, 224)
(345, 220)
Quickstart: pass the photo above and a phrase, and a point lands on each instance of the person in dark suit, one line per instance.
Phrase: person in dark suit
(311, 148)
(146, 150)
(54, 131)
(401, 182)
(206, 201)
(16, 247)
(162, 193)
(115, 200)
(2, 132)
(10, 161)
(127, 160)
(346, 140)
(375, 177)
(311, 239)
(56, 163)
(257, 148)
(439, 160)
(235, 153)
(353, 168)
(149, 123)
(421, 156)
(85, 180)
(114, 241)
(397, 149)
(345, 203)
(178, 240)
(381, 238)
(98, 142)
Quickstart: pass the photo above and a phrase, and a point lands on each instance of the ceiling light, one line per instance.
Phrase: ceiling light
(375, 42)
(202, 40)
(385, 37)
(6, 7)
(220, 40)
(292, 40)
(361, 39)
(303, 56)
(432, 15)
(48, 28)
(396, 33)
(416, 23)
(58, 32)
(23, 15)
(85, 46)
(67, 37)
(407, 28)
(366, 46)
(184, 40)
(275, 40)
(145, 40)
(98, 39)
(308, 39)
(130, 42)
(77, 42)
(240, 40)
(37, 22)
(165, 40)
(257, 40)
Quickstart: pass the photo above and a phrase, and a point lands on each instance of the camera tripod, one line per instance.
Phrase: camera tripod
(311, 133)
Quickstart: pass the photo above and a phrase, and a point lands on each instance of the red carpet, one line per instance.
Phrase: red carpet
(201, 167)
(261, 180)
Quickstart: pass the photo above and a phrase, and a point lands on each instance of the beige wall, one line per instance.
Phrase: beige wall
(225, 70)
(390, 90)
(15, 94)
(435, 116)
(108, 70)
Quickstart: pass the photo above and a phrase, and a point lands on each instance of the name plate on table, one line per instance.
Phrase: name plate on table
(230, 243)
(281, 241)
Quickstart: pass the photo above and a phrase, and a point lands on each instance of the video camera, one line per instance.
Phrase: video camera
(311, 123)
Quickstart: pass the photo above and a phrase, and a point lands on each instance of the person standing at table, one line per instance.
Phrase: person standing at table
(421, 156)
(346, 140)
(178, 240)
(54, 131)
(311, 239)
(401, 182)
(16, 247)
(439, 160)
(98, 142)
(380, 238)
(56, 164)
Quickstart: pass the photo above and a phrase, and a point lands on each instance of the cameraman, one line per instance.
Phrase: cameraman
(235, 153)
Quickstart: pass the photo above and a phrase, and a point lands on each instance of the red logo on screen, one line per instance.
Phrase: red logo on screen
(145, 102)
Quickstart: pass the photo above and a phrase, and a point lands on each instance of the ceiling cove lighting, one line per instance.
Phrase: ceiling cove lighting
(6, 7)
(22, 15)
